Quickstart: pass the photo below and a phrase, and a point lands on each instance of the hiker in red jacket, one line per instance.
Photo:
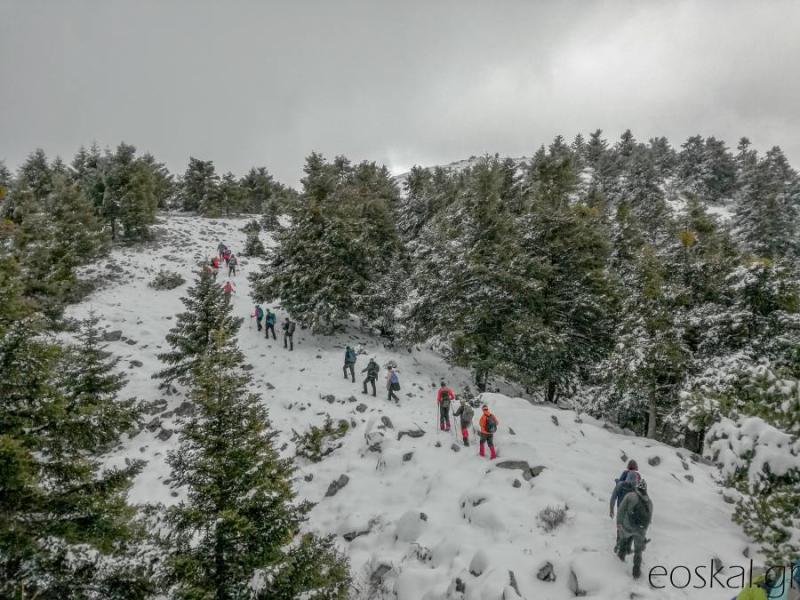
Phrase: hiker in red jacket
(227, 288)
(444, 397)
(488, 423)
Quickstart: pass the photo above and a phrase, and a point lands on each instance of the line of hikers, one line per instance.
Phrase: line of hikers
(269, 318)
(445, 397)
(213, 266)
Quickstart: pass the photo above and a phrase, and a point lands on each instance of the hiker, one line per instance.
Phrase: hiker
(633, 518)
(228, 288)
(232, 262)
(349, 363)
(288, 334)
(269, 324)
(465, 412)
(221, 250)
(215, 263)
(488, 423)
(443, 398)
(624, 484)
(226, 255)
(372, 370)
(393, 384)
(259, 316)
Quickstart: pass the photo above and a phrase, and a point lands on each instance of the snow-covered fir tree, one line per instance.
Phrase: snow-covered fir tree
(238, 533)
(328, 265)
(208, 309)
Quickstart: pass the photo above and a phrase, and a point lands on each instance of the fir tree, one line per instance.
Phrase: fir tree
(199, 185)
(342, 240)
(768, 206)
(91, 386)
(66, 528)
(237, 535)
(207, 309)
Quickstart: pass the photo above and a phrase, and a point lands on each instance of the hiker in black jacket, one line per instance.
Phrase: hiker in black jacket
(288, 334)
(372, 370)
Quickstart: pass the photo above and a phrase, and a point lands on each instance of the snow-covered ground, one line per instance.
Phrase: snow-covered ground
(426, 513)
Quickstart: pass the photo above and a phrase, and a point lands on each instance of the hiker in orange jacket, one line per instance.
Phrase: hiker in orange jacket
(488, 424)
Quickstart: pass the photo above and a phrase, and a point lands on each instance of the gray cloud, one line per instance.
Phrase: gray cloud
(264, 83)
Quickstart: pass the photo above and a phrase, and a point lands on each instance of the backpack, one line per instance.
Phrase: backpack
(394, 381)
(350, 356)
(491, 424)
(445, 402)
(259, 313)
(372, 369)
(640, 514)
(290, 329)
(467, 414)
(271, 318)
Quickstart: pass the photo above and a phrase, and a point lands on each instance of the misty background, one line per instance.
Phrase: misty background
(265, 83)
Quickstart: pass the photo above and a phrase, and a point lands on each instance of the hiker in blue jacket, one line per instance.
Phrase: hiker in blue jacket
(269, 324)
(350, 363)
(623, 485)
(259, 316)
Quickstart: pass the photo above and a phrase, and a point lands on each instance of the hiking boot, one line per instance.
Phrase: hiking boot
(466, 442)
(637, 571)
(621, 555)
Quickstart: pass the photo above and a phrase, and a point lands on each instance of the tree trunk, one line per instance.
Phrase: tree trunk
(651, 418)
(550, 391)
(481, 377)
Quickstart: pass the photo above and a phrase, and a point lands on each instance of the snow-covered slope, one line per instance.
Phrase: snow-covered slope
(420, 514)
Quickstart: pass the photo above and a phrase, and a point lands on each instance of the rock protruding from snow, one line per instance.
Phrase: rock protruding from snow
(479, 563)
(112, 336)
(546, 572)
(654, 461)
(337, 485)
(528, 472)
(387, 422)
(414, 433)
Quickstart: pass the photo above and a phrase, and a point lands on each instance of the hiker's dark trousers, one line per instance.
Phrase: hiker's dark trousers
(287, 339)
(269, 327)
(352, 371)
(372, 381)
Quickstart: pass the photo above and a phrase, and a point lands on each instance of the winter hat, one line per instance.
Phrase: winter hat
(485, 408)
(442, 384)
(632, 466)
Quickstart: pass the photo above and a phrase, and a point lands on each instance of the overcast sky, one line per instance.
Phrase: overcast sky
(429, 82)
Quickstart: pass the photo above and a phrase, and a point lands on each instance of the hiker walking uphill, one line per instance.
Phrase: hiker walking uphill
(393, 384)
(232, 263)
(633, 518)
(226, 255)
(228, 288)
(372, 370)
(488, 423)
(221, 248)
(259, 316)
(350, 363)
(444, 397)
(465, 413)
(288, 334)
(269, 324)
(624, 484)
